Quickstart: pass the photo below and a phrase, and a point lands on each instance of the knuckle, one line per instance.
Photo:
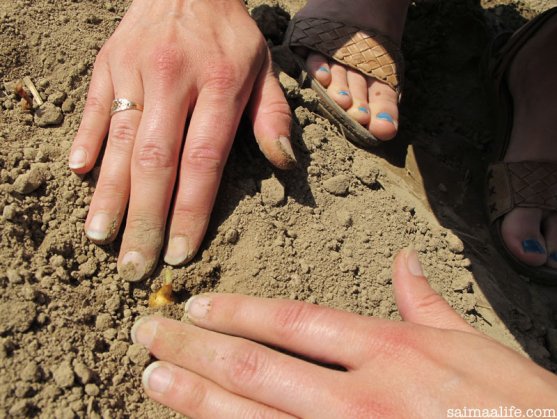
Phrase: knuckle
(95, 105)
(429, 303)
(122, 133)
(152, 154)
(246, 367)
(203, 158)
(110, 190)
(144, 224)
(196, 397)
(167, 61)
(222, 78)
(292, 317)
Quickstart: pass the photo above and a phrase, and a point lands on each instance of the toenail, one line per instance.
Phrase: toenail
(363, 109)
(344, 92)
(385, 117)
(324, 69)
(533, 246)
(553, 256)
(157, 378)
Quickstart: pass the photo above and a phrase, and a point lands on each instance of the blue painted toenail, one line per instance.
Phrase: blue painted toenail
(325, 69)
(385, 116)
(363, 109)
(553, 256)
(344, 93)
(533, 246)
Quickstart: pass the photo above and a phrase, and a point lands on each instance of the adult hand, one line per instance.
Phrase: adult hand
(195, 60)
(429, 363)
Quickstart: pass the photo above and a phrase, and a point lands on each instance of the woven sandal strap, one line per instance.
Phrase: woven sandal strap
(525, 184)
(367, 51)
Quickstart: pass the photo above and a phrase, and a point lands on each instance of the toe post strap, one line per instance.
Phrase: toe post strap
(366, 50)
(526, 184)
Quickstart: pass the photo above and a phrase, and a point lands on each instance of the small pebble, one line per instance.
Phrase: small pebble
(337, 185)
(138, 355)
(232, 236)
(29, 182)
(48, 115)
(64, 375)
(272, 192)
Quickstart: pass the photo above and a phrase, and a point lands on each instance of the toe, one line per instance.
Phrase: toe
(357, 85)
(521, 231)
(550, 231)
(338, 90)
(318, 68)
(383, 105)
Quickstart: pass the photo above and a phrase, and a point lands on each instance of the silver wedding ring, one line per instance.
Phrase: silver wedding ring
(121, 104)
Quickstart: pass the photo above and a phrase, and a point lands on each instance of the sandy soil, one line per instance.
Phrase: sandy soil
(325, 233)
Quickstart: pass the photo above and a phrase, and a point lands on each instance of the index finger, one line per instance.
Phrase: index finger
(299, 327)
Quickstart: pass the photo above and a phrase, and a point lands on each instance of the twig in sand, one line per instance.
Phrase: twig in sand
(33, 90)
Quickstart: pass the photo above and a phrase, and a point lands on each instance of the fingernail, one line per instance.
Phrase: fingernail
(553, 256)
(385, 116)
(413, 264)
(533, 246)
(324, 69)
(78, 158)
(157, 378)
(178, 250)
(144, 331)
(286, 148)
(344, 92)
(132, 267)
(363, 109)
(197, 307)
(99, 227)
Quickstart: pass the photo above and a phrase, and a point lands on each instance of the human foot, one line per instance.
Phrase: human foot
(531, 233)
(372, 103)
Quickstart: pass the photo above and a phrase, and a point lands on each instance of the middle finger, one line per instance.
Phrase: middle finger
(153, 170)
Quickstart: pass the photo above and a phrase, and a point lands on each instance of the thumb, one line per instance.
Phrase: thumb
(271, 118)
(417, 301)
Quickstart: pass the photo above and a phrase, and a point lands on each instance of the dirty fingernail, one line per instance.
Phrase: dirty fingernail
(286, 148)
(132, 267)
(197, 307)
(385, 117)
(413, 264)
(78, 158)
(157, 378)
(178, 250)
(533, 246)
(99, 227)
(144, 331)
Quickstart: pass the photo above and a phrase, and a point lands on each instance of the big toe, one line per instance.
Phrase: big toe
(521, 231)
(550, 227)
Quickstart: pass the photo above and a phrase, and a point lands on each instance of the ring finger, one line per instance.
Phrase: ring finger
(113, 187)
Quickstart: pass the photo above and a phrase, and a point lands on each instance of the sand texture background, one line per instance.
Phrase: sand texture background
(325, 233)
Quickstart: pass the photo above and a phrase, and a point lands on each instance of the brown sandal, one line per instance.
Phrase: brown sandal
(525, 184)
(365, 50)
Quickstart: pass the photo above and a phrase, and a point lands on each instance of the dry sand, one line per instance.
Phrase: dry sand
(325, 233)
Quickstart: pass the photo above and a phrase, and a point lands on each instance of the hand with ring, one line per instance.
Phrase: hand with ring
(203, 61)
